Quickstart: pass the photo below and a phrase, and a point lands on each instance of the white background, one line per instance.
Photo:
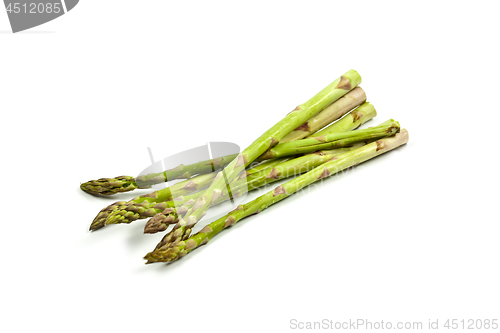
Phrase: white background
(410, 236)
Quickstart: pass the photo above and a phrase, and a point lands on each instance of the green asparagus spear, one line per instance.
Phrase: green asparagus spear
(160, 221)
(167, 252)
(266, 164)
(140, 207)
(352, 120)
(269, 139)
(149, 204)
(110, 186)
(132, 211)
(185, 171)
(286, 169)
(330, 141)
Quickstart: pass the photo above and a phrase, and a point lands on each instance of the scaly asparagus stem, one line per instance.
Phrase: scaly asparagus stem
(270, 138)
(331, 113)
(161, 221)
(149, 204)
(293, 167)
(127, 212)
(110, 186)
(140, 207)
(170, 253)
(185, 171)
(133, 210)
(330, 141)
(266, 164)
(351, 121)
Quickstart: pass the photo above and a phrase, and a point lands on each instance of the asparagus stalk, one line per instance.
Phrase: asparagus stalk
(170, 215)
(351, 121)
(331, 113)
(185, 171)
(141, 207)
(148, 205)
(330, 141)
(266, 164)
(163, 219)
(166, 252)
(127, 212)
(298, 116)
(110, 186)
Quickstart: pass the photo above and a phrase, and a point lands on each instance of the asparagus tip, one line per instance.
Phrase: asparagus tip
(96, 225)
(149, 258)
(94, 228)
(158, 223)
(109, 186)
(112, 219)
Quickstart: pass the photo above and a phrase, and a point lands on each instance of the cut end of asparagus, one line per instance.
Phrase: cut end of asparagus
(399, 139)
(353, 77)
(366, 111)
(393, 142)
(109, 186)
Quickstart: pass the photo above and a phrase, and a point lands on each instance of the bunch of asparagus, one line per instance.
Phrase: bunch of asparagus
(317, 139)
